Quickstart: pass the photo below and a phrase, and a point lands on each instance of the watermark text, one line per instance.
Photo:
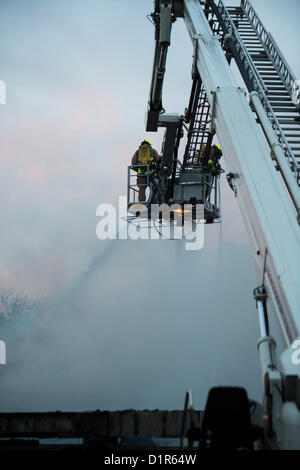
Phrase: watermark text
(169, 222)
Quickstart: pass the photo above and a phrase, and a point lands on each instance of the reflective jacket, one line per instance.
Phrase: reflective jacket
(145, 155)
(213, 160)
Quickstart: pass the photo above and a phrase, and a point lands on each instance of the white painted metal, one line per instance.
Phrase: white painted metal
(277, 149)
(268, 213)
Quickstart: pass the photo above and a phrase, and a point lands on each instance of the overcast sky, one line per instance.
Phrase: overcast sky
(126, 324)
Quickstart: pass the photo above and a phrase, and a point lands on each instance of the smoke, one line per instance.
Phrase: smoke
(134, 330)
(97, 263)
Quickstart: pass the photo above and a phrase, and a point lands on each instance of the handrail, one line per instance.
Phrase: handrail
(270, 46)
(258, 83)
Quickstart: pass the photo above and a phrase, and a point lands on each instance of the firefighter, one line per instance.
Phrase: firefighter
(212, 168)
(213, 160)
(145, 155)
(215, 155)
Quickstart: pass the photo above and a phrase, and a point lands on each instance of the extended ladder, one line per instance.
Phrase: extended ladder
(264, 69)
(199, 134)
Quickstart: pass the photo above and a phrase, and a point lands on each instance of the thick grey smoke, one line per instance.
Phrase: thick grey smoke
(137, 328)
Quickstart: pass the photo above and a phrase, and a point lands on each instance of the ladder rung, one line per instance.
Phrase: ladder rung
(291, 111)
(264, 69)
(282, 104)
(269, 74)
(275, 99)
(291, 122)
(262, 56)
(248, 37)
(252, 51)
(288, 120)
(280, 94)
(276, 88)
(284, 110)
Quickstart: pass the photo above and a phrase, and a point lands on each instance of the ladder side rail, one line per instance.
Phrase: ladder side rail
(259, 86)
(270, 46)
(243, 52)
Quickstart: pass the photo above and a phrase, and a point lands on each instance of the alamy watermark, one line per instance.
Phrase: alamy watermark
(296, 353)
(175, 222)
(2, 352)
(2, 92)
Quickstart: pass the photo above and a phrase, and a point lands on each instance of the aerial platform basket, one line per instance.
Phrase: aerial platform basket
(195, 185)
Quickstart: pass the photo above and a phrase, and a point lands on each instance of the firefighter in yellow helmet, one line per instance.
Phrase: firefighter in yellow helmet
(213, 166)
(213, 159)
(145, 155)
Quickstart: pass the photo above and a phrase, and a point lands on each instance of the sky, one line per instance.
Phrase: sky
(124, 324)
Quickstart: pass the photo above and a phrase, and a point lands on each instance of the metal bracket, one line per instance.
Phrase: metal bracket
(273, 153)
(213, 109)
(264, 267)
(165, 23)
(205, 37)
(195, 55)
(260, 294)
(230, 179)
(243, 90)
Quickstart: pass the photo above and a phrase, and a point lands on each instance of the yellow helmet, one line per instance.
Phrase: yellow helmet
(147, 142)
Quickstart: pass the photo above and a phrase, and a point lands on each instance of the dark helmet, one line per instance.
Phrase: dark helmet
(146, 141)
